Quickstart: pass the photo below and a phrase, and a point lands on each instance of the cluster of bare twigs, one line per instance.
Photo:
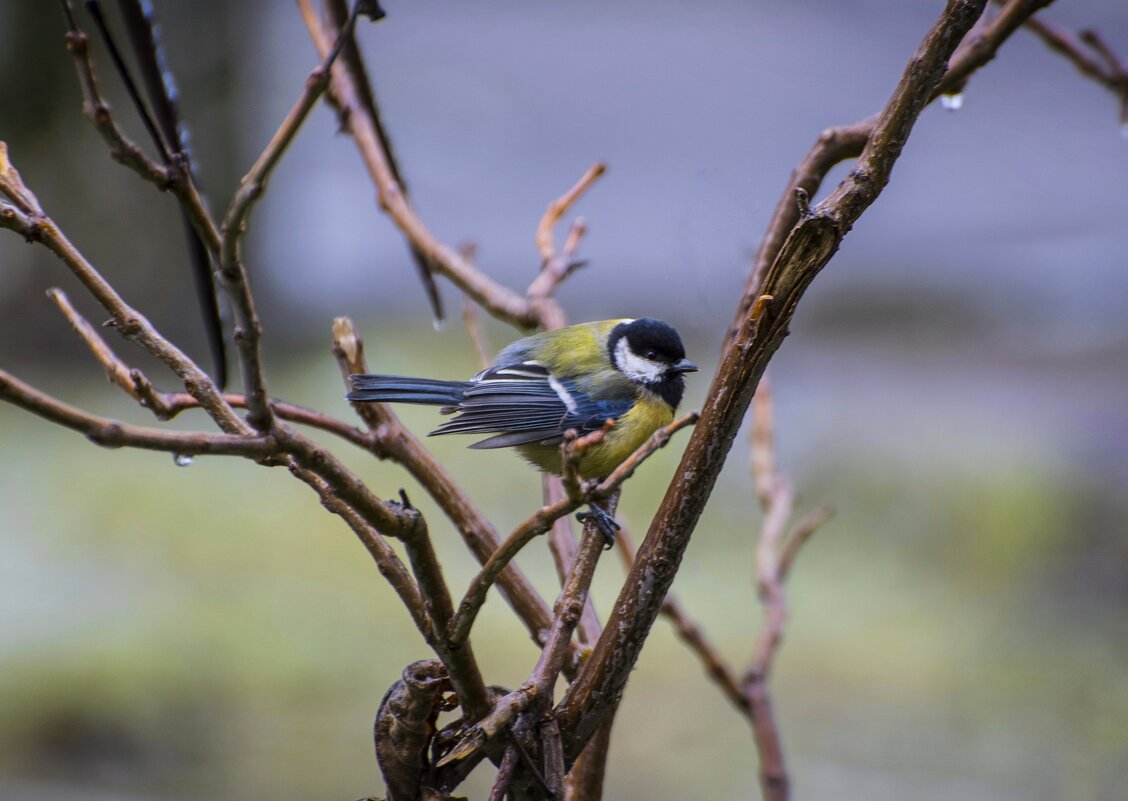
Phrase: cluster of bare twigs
(544, 749)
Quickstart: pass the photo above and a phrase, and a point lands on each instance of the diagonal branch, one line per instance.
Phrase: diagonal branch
(805, 252)
(166, 406)
(367, 97)
(499, 300)
(392, 441)
(387, 562)
(776, 550)
(541, 521)
(129, 322)
(689, 632)
(843, 142)
(536, 693)
(1103, 66)
(124, 150)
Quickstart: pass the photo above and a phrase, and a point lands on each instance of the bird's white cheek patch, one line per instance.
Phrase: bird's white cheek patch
(635, 367)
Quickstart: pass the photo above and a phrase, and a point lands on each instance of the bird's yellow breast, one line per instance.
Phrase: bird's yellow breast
(647, 415)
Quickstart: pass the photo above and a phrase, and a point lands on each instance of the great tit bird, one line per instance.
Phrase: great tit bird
(579, 377)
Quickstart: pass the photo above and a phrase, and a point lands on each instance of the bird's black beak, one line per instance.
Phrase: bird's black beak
(685, 366)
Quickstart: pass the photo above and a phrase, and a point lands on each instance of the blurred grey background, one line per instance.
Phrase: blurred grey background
(955, 384)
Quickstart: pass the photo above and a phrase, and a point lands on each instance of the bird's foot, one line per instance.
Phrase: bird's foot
(604, 521)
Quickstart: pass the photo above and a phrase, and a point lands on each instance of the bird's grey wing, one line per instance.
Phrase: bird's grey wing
(523, 403)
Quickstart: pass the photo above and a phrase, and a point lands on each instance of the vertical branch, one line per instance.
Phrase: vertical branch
(585, 779)
(562, 545)
(504, 774)
(569, 607)
(170, 138)
(777, 498)
(248, 331)
(459, 659)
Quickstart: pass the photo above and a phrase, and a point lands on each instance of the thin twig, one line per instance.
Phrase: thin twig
(129, 322)
(248, 331)
(124, 150)
(387, 561)
(116, 370)
(541, 520)
(776, 550)
(536, 692)
(1111, 74)
(556, 266)
(392, 441)
(499, 300)
(559, 207)
(166, 406)
(569, 606)
(983, 42)
(690, 632)
(779, 499)
(840, 143)
(352, 57)
(470, 319)
(562, 544)
(474, 332)
(800, 533)
(762, 442)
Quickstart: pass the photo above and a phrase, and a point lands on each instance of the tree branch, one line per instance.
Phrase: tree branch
(536, 693)
(541, 520)
(690, 633)
(1106, 68)
(457, 656)
(839, 143)
(130, 323)
(392, 441)
(806, 251)
(124, 150)
(404, 727)
(979, 48)
(499, 300)
(113, 434)
(559, 207)
(248, 330)
(387, 562)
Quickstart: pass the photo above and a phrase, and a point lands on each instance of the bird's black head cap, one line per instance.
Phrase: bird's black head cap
(651, 339)
(650, 352)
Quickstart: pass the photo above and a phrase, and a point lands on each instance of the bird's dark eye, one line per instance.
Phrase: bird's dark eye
(650, 354)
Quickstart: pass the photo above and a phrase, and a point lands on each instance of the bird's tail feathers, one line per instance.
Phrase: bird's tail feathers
(404, 389)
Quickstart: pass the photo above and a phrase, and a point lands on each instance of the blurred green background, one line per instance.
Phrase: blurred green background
(955, 385)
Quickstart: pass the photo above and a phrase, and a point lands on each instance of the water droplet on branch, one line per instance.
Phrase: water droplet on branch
(951, 102)
(181, 459)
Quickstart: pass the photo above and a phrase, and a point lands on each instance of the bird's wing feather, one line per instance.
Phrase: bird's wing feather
(523, 403)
